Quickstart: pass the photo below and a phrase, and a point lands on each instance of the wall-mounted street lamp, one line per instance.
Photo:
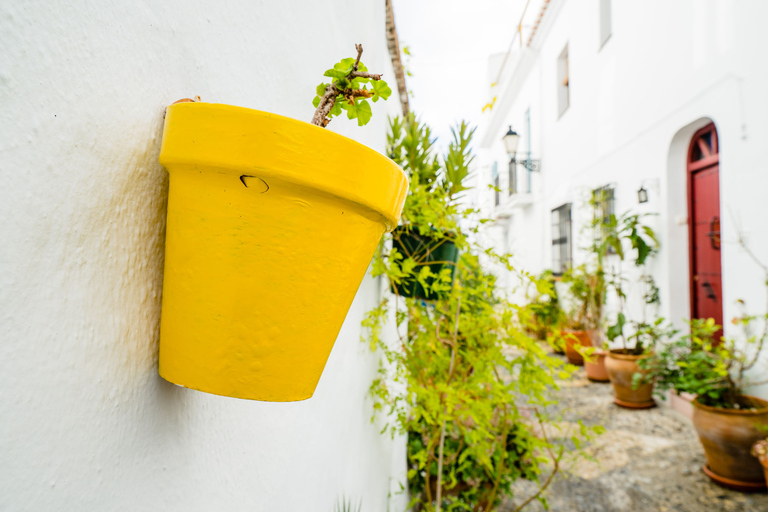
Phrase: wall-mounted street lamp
(510, 139)
(642, 195)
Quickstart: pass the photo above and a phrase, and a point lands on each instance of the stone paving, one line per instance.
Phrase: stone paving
(647, 460)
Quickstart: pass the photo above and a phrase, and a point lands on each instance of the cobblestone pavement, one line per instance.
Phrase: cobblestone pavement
(647, 460)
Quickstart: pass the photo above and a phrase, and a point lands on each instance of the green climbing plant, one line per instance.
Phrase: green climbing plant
(627, 238)
(464, 381)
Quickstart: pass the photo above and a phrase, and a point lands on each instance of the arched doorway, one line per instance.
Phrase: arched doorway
(706, 286)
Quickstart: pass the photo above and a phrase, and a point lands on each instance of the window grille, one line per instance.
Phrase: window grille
(512, 177)
(605, 203)
(561, 239)
(604, 200)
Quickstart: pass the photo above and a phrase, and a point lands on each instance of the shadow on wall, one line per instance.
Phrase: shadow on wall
(124, 216)
(678, 299)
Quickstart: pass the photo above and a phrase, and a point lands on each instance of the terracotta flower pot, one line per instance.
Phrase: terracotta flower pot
(596, 369)
(765, 470)
(621, 368)
(572, 340)
(727, 436)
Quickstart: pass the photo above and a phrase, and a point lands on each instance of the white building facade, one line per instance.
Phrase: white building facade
(86, 422)
(630, 96)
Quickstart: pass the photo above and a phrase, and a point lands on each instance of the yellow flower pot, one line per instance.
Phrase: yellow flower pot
(272, 223)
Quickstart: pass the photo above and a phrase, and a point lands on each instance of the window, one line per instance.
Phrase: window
(563, 82)
(512, 177)
(561, 239)
(605, 21)
(495, 179)
(605, 203)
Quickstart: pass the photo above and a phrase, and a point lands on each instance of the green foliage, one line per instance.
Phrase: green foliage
(457, 161)
(543, 316)
(587, 290)
(346, 505)
(464, 371)
(351, 92)
(647, 336)
(711, 368)
(410, 145)
(625, 237)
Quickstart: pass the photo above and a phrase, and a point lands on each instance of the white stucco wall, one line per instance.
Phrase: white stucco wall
(667, 69)
(86, 423)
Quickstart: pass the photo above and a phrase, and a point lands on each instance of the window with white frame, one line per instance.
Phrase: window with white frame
(604, 202)
(563, 82)
(561, 239)
(605, 21)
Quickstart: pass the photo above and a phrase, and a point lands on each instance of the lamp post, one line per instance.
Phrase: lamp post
(511, 139)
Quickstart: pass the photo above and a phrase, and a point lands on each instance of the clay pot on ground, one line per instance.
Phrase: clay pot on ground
(621, 369)
(765, 470)
(727, 436)
(681, 402)
(596, 368)
(572, 340)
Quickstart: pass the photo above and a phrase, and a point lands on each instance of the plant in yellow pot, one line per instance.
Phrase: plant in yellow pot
(271, 225)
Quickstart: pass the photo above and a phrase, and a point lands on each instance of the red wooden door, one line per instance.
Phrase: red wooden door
(704, 225)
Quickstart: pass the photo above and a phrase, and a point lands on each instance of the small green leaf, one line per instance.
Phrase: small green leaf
(380, 90)
(363, 113)
(335, 73)
(335, 109)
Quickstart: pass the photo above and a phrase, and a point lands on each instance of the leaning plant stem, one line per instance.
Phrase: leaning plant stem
(445, 410)
(332, 93)
(555, 459)
(743, 244)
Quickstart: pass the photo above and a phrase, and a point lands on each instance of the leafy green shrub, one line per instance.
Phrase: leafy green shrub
(464, 382)
(624, 237)
(712, 369)
(349, 91)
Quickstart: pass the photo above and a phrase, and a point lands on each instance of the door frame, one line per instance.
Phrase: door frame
(692, 167)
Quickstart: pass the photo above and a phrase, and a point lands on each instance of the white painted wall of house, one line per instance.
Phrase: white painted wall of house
(667, 69)
(86, 422)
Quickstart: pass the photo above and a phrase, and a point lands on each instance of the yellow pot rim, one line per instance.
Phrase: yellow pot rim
(247, 142)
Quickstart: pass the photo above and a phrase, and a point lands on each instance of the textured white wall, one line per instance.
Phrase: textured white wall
(85, 421)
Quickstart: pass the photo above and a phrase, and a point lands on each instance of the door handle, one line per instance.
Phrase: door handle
(710, 290)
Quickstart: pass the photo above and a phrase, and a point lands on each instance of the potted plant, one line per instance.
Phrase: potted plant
(426, 241)
(594, 362)
(581, 319)
(614, 235)
(271, 226)
(727, 420)
(760, 450)
(448, 381)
